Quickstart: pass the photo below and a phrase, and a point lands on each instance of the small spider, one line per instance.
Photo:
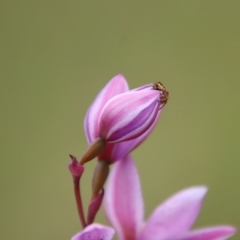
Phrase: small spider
(164, 93)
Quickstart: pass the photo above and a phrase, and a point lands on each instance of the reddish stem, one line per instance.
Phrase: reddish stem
(79, 202)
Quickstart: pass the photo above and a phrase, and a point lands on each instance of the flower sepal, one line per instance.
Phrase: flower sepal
(94, 206)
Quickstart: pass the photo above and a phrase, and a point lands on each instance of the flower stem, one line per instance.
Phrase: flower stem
(78, 198)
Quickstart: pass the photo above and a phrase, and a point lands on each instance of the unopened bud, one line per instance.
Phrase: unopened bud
(128, 115)
(75, 169)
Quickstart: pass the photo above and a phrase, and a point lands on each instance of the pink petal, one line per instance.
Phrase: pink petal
(95, 232)
(128, 115)
(123, 148)
(115, 86)
(175, 216)
(211, 233)
(144, 87)
(115, 151)
(123, 200)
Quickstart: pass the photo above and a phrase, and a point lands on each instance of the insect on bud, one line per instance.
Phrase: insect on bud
(164, 93)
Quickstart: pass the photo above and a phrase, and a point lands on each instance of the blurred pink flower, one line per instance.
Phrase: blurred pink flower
(172, 220)
(123, 118)
(95, 232)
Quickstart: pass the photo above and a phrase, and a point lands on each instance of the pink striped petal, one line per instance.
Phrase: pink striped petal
(175, 216)
(128, 115)
(123, 148)
(123, 200)
(116, 151)
(211, 233)
(95, 232)
(144, 87)
(115, 86)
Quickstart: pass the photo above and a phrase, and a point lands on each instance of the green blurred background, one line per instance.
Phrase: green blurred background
(56, 56)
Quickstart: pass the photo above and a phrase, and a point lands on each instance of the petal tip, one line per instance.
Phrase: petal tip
(199, 191)
(230, 230)
(119, 75)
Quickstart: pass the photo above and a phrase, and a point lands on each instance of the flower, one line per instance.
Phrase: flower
(123, 118)
(171, 220)
(115, 86)
(95, 232)
(128, 115)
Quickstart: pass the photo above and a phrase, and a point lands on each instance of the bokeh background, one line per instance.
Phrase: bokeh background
(56, 56)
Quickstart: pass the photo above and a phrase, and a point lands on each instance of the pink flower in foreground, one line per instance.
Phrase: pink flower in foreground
(172, 220)
(95, 232)
(123, 118)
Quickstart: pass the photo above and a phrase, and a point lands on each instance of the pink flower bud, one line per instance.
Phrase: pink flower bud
(128, 115)
(115, 86)
(120, 148)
